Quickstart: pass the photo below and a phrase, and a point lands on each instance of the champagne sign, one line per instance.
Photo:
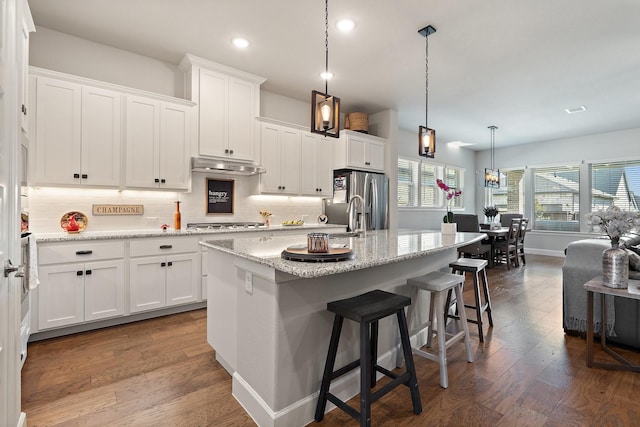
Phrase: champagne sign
(118, 209)
(220, 196)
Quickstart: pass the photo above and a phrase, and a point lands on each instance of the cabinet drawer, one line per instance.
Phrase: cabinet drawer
(57, 253)
(163, 246)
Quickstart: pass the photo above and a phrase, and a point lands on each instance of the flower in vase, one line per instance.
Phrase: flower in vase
(613, 221)
(451, 194)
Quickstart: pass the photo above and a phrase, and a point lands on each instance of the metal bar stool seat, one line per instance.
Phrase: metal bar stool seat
(440, 284)
(367, 309)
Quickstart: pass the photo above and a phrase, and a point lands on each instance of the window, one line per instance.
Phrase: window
(617, 184)
(556, 192)
(509, 198)
(417, 184)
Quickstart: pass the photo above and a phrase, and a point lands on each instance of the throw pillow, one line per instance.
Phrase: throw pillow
(634, 260)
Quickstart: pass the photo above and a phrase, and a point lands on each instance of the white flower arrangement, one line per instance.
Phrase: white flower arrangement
(613, 221)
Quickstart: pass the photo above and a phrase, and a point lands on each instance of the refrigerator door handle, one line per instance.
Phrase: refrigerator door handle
(375, 205)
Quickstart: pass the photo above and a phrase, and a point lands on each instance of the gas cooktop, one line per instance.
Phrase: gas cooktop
(223, 225)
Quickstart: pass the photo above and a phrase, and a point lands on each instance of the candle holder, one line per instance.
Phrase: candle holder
(317, 243)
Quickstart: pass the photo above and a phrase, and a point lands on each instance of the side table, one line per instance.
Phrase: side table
(592, 287)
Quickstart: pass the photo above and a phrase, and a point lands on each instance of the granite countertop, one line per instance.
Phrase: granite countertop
(126, 234)
(378, 248)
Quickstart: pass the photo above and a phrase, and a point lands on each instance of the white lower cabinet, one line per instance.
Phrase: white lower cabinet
(73, 290)
(160, 280)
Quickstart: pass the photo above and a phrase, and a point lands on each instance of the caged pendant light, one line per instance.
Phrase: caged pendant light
(325, 108)
(492, 176)
(426, 136)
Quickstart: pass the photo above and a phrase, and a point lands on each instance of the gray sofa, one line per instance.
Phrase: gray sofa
(583, 261)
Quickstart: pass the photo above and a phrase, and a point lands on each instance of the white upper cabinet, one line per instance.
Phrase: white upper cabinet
(78, 135)
(26, 26)
(281, 159)
(359, 151)
(157, 138)
(317, 165)
(228, 104)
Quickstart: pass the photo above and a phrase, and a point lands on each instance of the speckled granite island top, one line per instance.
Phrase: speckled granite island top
(378, 248)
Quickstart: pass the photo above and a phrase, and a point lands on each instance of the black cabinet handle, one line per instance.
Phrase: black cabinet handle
(79, 273)
(156, 180)
(88, 272)
(166, 246)
(163, 264)
(226, 151)
(170, 263)
(85, 176)
(76, 175)
(162, 181)
(231, 151)
(85, 252)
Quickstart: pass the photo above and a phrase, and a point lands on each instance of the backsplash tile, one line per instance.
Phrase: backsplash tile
(47, 205)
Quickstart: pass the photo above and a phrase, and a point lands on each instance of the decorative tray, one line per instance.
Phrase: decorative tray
(81, 219)
(302, 254)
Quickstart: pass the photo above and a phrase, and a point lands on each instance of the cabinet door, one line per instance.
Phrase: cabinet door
(242, 114)
(271, 159)
(375, 155)
(356, 151)
(103, 289)
(143, 140)
(174, 146)
(57, 144)
(147, 279)
(317, 165)
(60, 295)
(101, 137)
(290, 165)
(213, 114)
(23, 63)
(183, 278)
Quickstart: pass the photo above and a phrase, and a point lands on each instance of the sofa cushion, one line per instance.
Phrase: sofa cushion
(634, 260)
(635, 249)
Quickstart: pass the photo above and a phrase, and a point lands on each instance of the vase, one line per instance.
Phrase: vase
(448, 228)
(615, 267)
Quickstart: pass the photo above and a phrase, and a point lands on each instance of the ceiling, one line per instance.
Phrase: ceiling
(514, 64)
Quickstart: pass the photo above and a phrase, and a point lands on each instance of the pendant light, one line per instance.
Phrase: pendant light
(492, 176)
(325, 108)
(426, 136)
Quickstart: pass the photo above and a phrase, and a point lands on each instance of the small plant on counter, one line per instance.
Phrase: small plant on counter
(451, 194)
(266, 217)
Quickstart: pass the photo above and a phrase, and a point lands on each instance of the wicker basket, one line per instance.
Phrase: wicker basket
(357, 121)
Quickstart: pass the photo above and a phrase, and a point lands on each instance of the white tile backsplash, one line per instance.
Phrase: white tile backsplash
(47, 205)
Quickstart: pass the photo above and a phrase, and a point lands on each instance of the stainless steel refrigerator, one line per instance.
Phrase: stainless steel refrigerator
(372, 187)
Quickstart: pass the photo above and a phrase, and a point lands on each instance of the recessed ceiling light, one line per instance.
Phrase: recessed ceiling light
(459, 143)
(345, 25)
(574, 110)
(326, 75)
(240, 42)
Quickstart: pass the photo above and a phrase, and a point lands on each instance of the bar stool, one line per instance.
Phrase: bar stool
(475, 266)
(367, 309)
(439, 284)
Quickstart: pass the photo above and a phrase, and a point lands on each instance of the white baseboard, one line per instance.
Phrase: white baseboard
(302, 412)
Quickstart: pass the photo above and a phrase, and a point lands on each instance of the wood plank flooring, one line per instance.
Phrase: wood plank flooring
(162, 372)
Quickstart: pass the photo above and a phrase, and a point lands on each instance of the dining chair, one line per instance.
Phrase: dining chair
(507, 249)
(469, 223)
(524, 224)
(505, 218)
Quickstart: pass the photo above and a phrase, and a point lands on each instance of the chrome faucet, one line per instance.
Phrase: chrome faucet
(350, 213)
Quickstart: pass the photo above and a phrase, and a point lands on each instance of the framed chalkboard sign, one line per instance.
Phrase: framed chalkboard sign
(219, 196)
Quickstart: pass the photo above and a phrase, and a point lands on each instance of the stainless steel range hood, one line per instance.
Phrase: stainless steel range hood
(227, 167)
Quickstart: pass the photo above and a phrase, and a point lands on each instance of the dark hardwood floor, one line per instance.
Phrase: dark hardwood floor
(162, 372)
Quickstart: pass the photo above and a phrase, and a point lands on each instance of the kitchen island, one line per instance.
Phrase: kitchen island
(267, 318)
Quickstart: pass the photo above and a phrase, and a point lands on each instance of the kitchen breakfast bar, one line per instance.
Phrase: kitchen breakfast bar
(267, 317)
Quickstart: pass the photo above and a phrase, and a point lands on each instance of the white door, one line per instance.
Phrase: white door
(9, 217)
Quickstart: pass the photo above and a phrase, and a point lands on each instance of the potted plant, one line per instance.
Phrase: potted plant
(490, 212)
(448, 226)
